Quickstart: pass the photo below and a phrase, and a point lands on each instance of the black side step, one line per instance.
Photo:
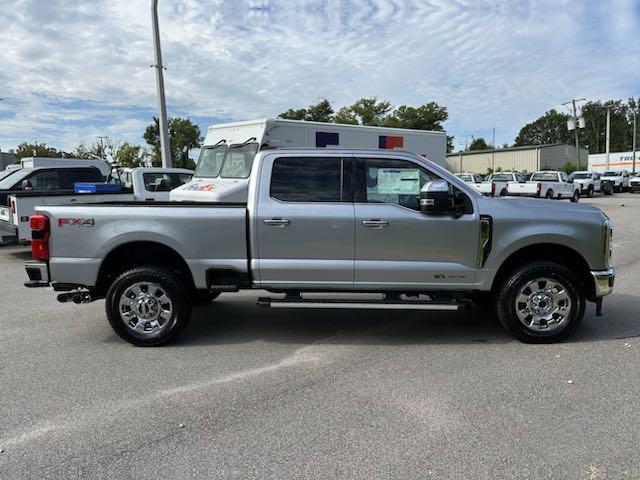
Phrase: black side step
(363, 304)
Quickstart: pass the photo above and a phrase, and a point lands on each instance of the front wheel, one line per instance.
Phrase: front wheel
(146, 306)
(590, 191)
(576, 197)
(541, 302)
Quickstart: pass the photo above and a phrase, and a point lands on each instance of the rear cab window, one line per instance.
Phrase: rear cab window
(310, 180)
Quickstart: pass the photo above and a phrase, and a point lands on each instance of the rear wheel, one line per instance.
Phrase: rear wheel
(549, 194)
(146, 306)
(590, 191)
(541, 302)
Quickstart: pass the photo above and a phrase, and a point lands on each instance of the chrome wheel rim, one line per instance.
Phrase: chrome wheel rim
(543, 305)
(146, 309)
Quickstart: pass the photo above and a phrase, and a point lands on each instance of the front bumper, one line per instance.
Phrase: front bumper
(38, 273)
(635, 187)
(603, 281)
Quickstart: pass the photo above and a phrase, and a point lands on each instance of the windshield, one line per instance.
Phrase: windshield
(7, 182)
(210, 161)
(611, 174)
(464, 178)
(6, 173)
(580, 176)
(545, 177)
(501, 177)
(238, 161)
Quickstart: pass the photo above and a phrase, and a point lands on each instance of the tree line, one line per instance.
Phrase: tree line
(551, 127)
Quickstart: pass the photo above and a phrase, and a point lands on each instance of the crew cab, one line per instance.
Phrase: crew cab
(547, 184)
(39, 181)
(139, 184)
(392, 225)
(496, 183)
(618, 178)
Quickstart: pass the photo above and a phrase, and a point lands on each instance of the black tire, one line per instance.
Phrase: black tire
(549, 195)
(162, 281)
(518, 280)
(204, 297)
(575, 198)
(503, 192)
(590, 191)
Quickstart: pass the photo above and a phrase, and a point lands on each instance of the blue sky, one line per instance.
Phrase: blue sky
(73, 70)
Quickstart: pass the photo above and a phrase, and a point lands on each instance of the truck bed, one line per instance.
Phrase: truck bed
(205, 235)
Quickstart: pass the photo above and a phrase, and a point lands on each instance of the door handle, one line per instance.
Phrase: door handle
(375, 223)
(277, 222)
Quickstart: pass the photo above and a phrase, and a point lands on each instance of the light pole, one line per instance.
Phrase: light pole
(634, 141)
(575, 127)
(102, 155)
(608, 135)
(165, 144)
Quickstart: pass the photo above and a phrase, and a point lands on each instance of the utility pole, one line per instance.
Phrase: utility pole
(634, 141)
(493, 152)
(102, 154)
(575, 127)
(165, 145)
(608, 134)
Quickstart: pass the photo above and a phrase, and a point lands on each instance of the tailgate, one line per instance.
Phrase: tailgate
(5, 214)
(522, 188)
(485, 188)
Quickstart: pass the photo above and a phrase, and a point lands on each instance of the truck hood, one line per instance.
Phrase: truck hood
(211, 190)
(551, 206)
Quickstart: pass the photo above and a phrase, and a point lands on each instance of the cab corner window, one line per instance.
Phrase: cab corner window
(309, 179)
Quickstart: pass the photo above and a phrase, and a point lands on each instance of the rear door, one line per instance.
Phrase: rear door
(399, 247)
(304, 224)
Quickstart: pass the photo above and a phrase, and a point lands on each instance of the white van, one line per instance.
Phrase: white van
(37, 162)
(225, 160)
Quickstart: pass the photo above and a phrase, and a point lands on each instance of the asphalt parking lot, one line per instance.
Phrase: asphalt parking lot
(252, 393)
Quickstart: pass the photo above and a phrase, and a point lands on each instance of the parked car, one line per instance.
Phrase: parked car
(470, 178)
(496, 183)
(547, 184)
(330, 220)
(619, 179)
(8, 171)
(634, 183)
(140, 184)
(39, 181)
(589, 182)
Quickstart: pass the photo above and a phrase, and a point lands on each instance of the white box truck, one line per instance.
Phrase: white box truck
(37, 162)
(222, 171)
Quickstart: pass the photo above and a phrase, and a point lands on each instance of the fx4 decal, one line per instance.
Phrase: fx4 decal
(76, 222)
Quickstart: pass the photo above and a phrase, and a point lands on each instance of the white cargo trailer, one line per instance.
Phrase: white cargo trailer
(225, 160)
(37, 162)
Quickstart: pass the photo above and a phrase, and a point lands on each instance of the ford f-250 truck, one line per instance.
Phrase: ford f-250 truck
(356, 221)
(547, 184)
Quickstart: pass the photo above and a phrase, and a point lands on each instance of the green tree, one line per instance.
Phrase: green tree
(38, 150)
(128, 155)
(569, 168)
(294, 114)
(346, 116)
(479, 144)
(93, 150)
(429, 116)
(594, 133)
(322, 111)
(549, 128)
(184, 136)
(369, 111)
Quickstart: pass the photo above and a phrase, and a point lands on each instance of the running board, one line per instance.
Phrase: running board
(369, 305)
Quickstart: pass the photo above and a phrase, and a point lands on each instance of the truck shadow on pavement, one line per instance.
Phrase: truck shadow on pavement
(238, 321)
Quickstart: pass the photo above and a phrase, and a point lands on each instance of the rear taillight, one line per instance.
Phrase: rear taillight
(538, 188)
(12, 206)
(493, 188)
(40, 229)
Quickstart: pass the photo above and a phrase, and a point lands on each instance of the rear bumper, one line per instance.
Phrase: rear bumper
(7, 229)
(635, 187)
(603, 282)
(38, 273)
(522, 194)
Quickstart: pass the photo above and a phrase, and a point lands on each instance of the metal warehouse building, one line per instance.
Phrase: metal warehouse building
(528, 158)
(7, 159)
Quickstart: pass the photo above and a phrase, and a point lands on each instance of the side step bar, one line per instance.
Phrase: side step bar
(359, 304)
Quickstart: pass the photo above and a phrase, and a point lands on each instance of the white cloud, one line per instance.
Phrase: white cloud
(492, 63)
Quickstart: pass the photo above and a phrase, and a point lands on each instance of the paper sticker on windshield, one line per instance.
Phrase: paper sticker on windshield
(395, 181)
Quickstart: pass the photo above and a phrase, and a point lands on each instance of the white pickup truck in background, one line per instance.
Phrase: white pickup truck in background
(139, 184)
(547, 184)
(619, 178)
(496, 183)
(589, 182)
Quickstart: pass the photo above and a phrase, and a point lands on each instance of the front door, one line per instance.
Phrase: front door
(399, 247)
(305, 223)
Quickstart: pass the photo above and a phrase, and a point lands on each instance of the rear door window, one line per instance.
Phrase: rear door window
(310, 179)
(70, 177)
(45, 180)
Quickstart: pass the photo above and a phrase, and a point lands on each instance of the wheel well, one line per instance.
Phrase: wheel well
(135, 254)
(560, 254)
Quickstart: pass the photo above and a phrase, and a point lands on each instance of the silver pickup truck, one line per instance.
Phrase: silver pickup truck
(392, 229)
